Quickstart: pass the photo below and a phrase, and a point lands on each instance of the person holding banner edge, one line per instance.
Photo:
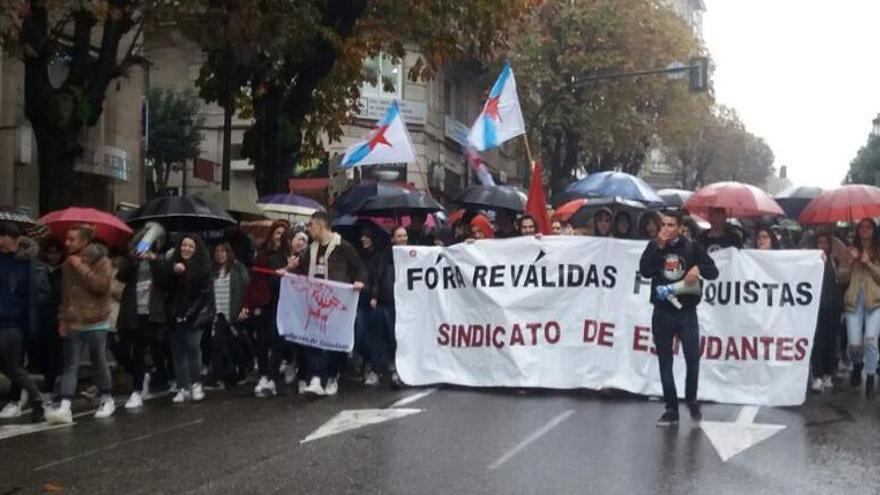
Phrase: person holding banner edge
(675, 264)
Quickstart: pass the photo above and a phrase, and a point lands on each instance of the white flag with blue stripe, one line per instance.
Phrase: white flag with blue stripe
(501, 118)
(388, 142)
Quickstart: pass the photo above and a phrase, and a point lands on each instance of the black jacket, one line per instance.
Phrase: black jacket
(20, 290)
(128, 274)
(670, 264)
(191, 297)
(380, 277)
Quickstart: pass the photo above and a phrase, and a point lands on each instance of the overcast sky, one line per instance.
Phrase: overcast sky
(803, 74)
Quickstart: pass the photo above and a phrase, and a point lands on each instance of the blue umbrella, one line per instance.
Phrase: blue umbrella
(288, 206)
(615, 184)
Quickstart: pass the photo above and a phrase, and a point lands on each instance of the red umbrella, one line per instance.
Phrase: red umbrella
(108, 228)
(848, 203)
(565, 211)
(455, 216)
(738, 199)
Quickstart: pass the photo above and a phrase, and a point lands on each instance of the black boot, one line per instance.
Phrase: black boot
(855, 378)
(869, 386)
(37, 412)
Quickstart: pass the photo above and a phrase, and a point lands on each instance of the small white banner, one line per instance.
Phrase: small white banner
(317, 313)
(573, 312)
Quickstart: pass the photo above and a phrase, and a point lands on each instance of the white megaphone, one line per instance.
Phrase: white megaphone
(671, 292)
(152, 233)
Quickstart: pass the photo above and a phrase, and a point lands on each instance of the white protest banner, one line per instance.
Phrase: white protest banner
(573, 312)
(317, 313)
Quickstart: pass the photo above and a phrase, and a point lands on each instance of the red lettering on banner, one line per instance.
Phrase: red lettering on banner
(590, 330)
(766, 341)
(495, 341)
(443, 338)
(713, 347)
(801, 346)
(749, 348)
(606, 334)
(556, 335)
(732, 351)
(534, 328)
(516, 336)
(783, 348)
(640, 340)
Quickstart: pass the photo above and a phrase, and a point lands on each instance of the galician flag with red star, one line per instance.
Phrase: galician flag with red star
(388, 142)
(501, 118)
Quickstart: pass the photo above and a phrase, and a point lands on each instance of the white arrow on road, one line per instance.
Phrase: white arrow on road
(731, 438)
(353, 419)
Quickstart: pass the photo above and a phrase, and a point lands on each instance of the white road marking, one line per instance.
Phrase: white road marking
(354, 419)
(409, 399)
(731, 438)
(553, 423)
(118, 444)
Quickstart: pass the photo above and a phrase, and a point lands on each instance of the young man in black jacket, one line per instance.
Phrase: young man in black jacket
(674, 259)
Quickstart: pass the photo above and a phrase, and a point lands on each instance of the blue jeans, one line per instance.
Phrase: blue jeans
(96, 342)
(187, 350)
(862, 330)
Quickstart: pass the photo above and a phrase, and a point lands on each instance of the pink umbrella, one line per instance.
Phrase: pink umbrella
(738, 199)
(108, 228)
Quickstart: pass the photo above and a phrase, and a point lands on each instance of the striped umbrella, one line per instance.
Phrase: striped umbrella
(31, 227)
(292, 207)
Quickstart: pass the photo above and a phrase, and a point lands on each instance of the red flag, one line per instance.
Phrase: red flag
(536, 205)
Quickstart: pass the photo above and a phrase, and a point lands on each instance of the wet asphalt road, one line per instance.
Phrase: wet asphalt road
(462, 441)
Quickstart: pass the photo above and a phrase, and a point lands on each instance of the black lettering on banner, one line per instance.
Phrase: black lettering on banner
(751, 292)
(639, 282)
(516, 272)
(709, 293)
(545, 282)
(575, 275)
(412, 276)
(805, 293)
(787, 298)
(592, 277)
(496, 279)
(770, 288)
(611, 277)
(480, 272)
(723, 296)
(531, 277)
(431, 277)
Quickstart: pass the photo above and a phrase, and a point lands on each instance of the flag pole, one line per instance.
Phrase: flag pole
(528, 149)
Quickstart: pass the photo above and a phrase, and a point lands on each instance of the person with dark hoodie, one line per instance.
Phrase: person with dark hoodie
(191, 296)
(228, 356)
(823, 359)
(261, 298)
(19, 318)
(143, 312)
(328, 257)
(84, 319)
(49, 345)
(370, 319)
(670, 259)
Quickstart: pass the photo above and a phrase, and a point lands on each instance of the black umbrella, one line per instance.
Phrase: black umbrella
(585, 214)
(674, 198)
(357, 195)
(31, 227)
(398, 205)
(493, 198)
(794, 199)
(351, 227)
(181, 214)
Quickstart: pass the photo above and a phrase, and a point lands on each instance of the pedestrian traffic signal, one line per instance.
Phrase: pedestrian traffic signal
(699, 74)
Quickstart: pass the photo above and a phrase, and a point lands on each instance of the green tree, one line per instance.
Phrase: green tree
(303, 61)
(606, 124)
(95, 42)
(865, 167)
(173, 137)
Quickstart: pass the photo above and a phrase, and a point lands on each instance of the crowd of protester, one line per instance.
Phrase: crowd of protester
(188, 317)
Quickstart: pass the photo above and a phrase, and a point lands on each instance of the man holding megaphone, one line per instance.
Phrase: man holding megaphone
(675, 265)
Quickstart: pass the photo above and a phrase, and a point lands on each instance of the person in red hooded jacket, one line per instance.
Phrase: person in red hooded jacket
(481, 228)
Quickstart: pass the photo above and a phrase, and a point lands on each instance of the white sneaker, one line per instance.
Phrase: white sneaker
(268, 390)
(371, 379)
(289, 374)
(301, 387)
(332, 386)
(23, 399)
(181, 397)
(396, 382)
(60, 415)
(817, 385)
(314, 387)
(172, 386)
(827, 382)
(264, 381)
(198, 393)
(135, 401)
(108, 407)
(11, 410)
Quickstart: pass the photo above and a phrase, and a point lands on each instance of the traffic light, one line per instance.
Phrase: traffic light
(699, 74)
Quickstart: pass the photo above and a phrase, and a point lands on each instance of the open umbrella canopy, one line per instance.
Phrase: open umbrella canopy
(849, 203)
(181, 214)
(357, 195)
(615, 184)
(738, 199)
(238, 205)
(31, 227)
(290, 206)
(794, 199)
(585, 213)
(108, 228)
(674, 198)
(400, 204)
(493, 198)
